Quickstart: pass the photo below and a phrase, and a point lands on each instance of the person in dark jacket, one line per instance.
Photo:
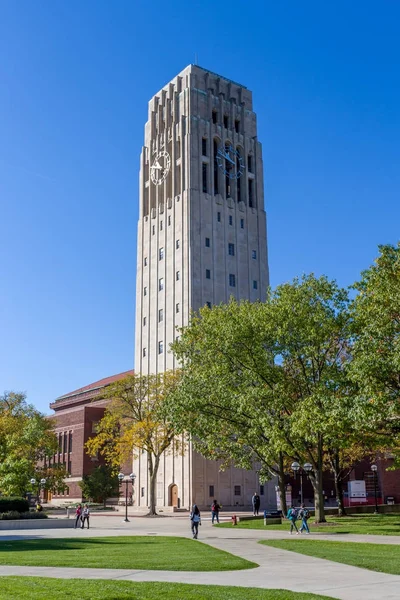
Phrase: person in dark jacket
(195, 520)
(256, 503)
(215, 508)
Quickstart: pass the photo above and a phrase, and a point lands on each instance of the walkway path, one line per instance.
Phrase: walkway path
(278, 568)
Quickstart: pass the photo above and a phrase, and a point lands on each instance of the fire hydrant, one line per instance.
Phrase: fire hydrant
(234, 520)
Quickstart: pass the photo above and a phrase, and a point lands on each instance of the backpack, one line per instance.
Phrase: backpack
(305, 513)
(292, 514)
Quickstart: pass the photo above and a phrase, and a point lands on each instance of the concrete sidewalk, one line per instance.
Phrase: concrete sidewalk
(278, 568)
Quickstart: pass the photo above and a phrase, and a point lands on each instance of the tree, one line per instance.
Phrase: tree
(268, 378)
(26, 440)
(376, 353)
(100, 485)
(136, 419)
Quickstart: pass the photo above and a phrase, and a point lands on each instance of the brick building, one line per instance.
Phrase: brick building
(75, 417)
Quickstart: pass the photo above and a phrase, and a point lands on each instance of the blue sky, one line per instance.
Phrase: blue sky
(75, 79)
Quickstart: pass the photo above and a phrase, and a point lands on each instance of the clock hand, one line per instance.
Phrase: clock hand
(229, 159)
(156, 165)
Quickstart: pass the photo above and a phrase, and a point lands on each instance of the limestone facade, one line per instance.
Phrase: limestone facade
(201, 239)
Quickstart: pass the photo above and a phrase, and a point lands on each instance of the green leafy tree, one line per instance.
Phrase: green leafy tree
(266, 382)
(376, 353)
(26, 440)
(136, 419)
(100, 485)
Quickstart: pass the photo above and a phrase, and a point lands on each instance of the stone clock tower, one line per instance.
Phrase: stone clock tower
(201, 239)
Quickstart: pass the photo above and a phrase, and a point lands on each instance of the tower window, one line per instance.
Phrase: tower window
(160, 253)
(161, 315)
(219, 217)
(169, 220)
(145, 261)
(160, 284)
(153, 229)
(211, 491)
(144, 321)
(178, 275)
(241, 223)
(230, 220)
(204, 178)
(254, 254)
(145, 291)
(208, 304)
(214, 117)
(231, 249)
(250, 163)
(208, 274)
(207, 242)
(144, 352)
(161, 225)
(177, 244)
(237, 125)
(177, 308)
(204, 146)
(251, 198)
(261, 490)
(216, 169)
(232, 280)
(226, 121)
(255, 285)
(160, 347)
(237, 490)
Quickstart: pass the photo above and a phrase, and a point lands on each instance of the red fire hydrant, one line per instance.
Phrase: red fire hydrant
(234, 520)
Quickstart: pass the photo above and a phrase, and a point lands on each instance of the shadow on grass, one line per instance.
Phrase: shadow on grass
(66, 544)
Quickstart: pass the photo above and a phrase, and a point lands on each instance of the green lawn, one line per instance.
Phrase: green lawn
(37, 588)
(384, 558)
(138, 552)
(365, 524)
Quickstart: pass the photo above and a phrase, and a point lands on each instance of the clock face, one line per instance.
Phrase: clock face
(230, 162)
(160, 167)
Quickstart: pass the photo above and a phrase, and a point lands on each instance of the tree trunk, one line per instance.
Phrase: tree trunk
(282, 487)
(153, 470)
(317, 483)
(335, 464)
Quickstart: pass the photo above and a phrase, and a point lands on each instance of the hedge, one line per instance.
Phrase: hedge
(13, 515)
(16, 504)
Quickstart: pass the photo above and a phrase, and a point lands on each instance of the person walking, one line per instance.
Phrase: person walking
(255, 500)
(195, 520)
(215, 508)
(304, 515)
(85, 516)
(292, 517)
(78, 515)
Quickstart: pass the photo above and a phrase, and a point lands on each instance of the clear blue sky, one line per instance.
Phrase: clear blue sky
(75, 79)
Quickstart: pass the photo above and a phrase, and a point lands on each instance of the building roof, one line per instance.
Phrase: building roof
(97, 384)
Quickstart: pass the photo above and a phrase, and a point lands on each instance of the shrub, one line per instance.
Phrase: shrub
(8, 504)
(13, 515)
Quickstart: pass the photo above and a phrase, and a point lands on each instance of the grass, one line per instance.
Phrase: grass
(365, 524)
(138, 552)
(37, 588)
(384, 558)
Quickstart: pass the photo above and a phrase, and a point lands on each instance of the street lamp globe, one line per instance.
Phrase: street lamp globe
(132, 477)
(374, 468)
(121, 477)
(33, 481)
(43, 482)
(307, 467)
(295, 466)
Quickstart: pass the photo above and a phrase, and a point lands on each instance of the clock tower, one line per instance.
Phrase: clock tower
(201, 239)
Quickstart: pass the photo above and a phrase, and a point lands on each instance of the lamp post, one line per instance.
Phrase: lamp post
(41, 485)
(374, 469)
(121, 478)
(307, 467)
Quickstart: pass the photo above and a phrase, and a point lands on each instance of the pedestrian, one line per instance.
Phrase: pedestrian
(292, 516)
(215, 508)
(195, 520)
(78, 514)
(85, 516)
(255, 500)
(304, 515)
